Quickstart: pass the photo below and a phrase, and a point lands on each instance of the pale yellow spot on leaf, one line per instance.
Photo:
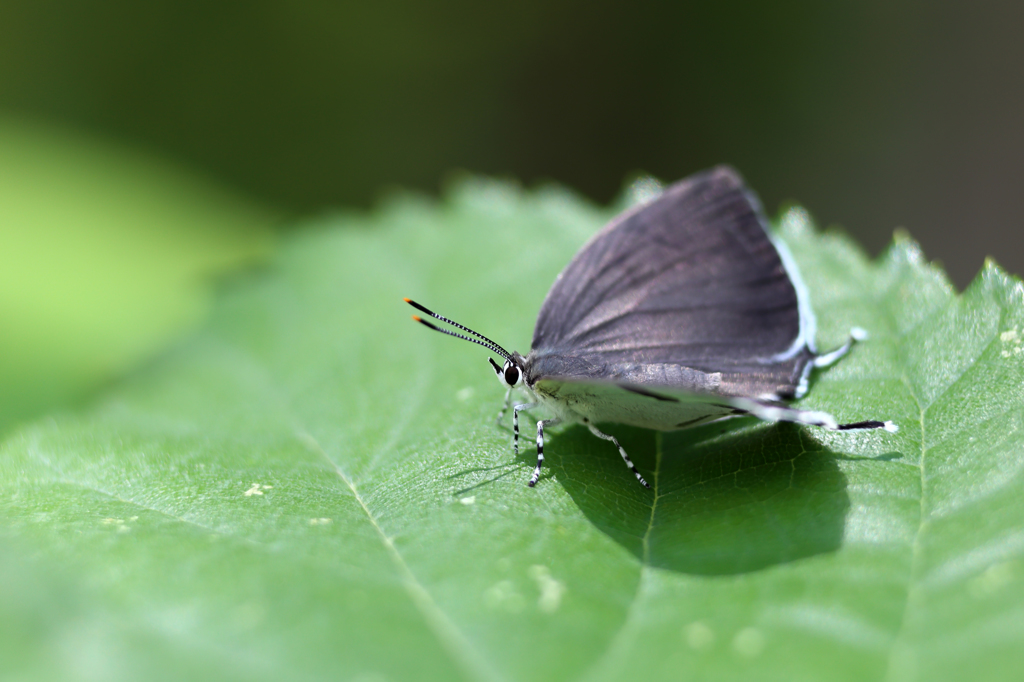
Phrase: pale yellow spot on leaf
(551, 590)
(748, 642)
(699, 635)
(992, 580)
(503, 595)
(257, 489)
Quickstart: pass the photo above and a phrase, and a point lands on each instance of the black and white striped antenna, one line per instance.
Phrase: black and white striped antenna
(485, 342)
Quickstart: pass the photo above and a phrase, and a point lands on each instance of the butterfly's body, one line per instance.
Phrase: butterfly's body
(679, 312)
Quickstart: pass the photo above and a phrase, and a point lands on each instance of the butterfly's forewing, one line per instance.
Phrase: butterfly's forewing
(688, 280)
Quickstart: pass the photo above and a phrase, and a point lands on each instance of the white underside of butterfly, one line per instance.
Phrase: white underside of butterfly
(680, 312)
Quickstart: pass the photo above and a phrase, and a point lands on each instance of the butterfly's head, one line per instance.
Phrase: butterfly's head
(511, 373)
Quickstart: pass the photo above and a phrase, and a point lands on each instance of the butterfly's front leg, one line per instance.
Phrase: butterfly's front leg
(540, 449)
(504, 409)
(515, 423)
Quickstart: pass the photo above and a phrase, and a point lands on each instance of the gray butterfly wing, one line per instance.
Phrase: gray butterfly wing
(689, 281)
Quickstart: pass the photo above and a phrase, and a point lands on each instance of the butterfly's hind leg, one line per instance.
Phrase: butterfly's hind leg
(830, 358)
(540, 448)
(777, 412)
(515, 423)
(625, 457)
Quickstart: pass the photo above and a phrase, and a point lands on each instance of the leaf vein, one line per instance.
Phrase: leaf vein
(146, 507)
(452, 640)
(898, 651)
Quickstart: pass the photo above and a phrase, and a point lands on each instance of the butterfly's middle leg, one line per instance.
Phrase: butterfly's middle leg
(625, 457)
(540, 449)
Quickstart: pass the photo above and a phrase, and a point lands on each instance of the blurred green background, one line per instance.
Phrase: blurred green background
(214, 120)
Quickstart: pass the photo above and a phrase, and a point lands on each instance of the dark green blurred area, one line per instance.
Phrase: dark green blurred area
(874, 114)
(145, 148)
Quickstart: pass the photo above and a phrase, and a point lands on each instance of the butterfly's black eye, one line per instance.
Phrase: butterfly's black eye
(511, 375)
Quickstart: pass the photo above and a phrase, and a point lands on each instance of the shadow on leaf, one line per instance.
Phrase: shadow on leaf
(731, 498)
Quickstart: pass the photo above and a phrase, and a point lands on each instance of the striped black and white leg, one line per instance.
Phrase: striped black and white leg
(504, 409)
(515, 424)
(540, 449)
(625, 457)
(775, 412)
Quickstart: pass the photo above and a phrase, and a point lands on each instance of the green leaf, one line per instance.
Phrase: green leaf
(107, 256)
(314, 487)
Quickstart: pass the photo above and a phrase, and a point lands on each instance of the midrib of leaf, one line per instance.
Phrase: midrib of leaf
(899, 651)
(447, 633)
(900, 663)
(145, 507)
(450, 638)
(609, 664)
(898, 646)
(61, 479)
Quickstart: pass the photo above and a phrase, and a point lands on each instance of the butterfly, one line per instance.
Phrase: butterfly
(679, 312)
